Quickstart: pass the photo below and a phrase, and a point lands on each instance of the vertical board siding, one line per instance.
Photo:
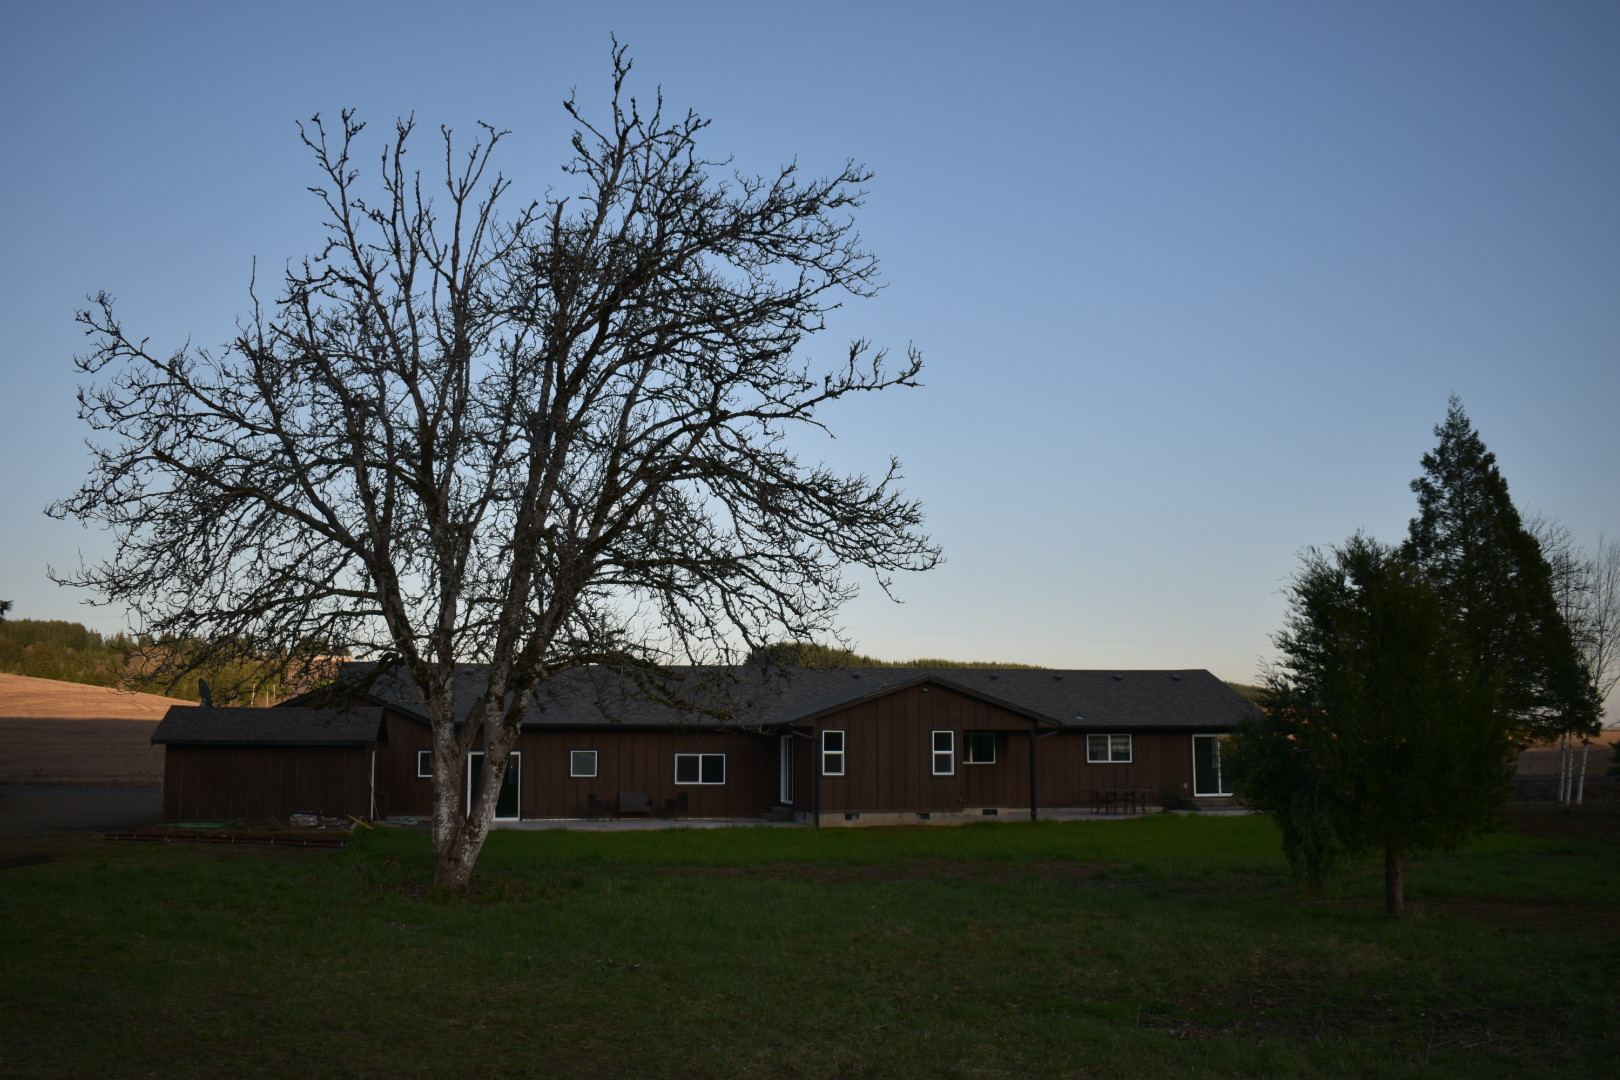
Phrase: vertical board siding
(888, 761)
(640, 760)
(1159, 760)
(399, 791)
(263, 783)
(889, 757)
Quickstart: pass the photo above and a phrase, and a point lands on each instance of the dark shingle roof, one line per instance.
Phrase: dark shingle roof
(752, 696)
(194, 725)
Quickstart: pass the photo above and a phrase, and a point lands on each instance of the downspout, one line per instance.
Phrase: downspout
(373, 784)
(1034, 798)
(815, 764)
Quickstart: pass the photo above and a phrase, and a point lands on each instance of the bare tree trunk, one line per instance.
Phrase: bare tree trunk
(451, 869)
(461, 827)
(1394, 881)
(453, 866)
(1563, 769)
(1580, 788)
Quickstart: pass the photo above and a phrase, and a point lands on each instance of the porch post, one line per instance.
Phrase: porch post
(1034, 799)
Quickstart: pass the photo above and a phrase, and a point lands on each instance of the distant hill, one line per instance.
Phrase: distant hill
(54, 732)
(809, 654)
(70, 652)
(1255, 694)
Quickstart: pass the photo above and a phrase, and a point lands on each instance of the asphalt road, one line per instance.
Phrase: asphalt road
(31, 811)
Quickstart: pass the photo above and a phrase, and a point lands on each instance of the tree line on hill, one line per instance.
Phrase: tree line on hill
(71, 652)
(812, 654)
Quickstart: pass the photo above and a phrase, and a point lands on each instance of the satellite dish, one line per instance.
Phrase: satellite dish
(205, 692)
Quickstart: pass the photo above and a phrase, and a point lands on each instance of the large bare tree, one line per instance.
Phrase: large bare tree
(530, 436)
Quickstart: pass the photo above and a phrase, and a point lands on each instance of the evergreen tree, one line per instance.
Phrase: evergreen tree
(1379, 731)
(1471, 544)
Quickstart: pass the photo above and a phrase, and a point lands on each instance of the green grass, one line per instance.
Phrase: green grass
(1156, 947)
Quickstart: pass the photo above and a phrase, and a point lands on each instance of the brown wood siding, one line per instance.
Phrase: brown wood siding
(1159, 760)
(400, 792)
(259, 783)
(888, 762)
(637, 760)
(889, 754)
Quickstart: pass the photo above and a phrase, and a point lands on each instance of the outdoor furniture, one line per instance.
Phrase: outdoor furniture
(635, 802)
(678, 806)
(597, 809)
(1122, 800)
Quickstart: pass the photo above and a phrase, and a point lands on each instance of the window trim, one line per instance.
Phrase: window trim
(700, 782)
(574, 774)
(969, 738)
(1109, 757)
(424, 764)
(827, 753)
(948, 753)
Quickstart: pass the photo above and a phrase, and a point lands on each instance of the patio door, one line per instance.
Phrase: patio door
(506, 804)
(1207, 776)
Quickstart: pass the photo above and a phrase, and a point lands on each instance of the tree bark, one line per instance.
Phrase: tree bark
(1580, 787)
(1394, 881)
(1563, 769)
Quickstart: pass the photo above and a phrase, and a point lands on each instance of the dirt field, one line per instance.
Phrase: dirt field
(1542, 760)
(64, 733)
(49, 699)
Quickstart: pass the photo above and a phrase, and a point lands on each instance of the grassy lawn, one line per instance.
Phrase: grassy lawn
(1166, 946)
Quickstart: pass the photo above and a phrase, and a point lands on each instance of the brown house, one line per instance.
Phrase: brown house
(832, 746)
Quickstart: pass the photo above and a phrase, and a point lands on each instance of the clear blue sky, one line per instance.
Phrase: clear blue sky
(1193, 280)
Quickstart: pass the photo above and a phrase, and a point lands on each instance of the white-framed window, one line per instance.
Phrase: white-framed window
(424, 764)
(582, 764)
(700, 768)
(1108, 749)
(978, 748)
(832, 753)
(944, 753)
